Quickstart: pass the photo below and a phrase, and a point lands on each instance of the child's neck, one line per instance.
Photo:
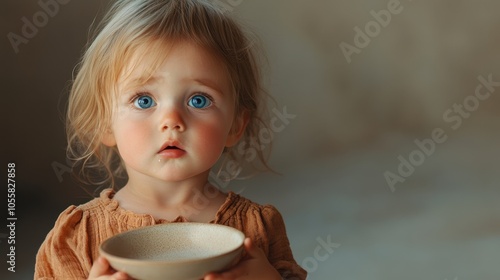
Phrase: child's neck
(195, 201)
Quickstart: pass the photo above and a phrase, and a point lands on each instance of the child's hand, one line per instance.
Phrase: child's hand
(254, 266)
(101, 270)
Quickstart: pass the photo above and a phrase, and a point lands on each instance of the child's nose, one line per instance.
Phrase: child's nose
(172, 120)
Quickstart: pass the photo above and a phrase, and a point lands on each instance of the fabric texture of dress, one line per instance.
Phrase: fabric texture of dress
(72, 245)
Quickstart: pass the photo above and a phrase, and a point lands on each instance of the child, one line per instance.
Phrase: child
(166, 87)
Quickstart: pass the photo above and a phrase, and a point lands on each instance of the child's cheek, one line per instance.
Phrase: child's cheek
(133, 138)
(211, 137)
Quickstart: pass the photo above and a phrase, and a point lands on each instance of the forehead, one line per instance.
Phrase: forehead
(157, 61)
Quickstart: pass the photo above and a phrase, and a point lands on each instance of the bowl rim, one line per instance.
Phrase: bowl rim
(124, 260)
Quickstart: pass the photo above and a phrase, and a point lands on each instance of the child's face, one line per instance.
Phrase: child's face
(176, 125)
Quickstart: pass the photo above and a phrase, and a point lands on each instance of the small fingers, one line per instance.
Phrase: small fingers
(210, 276)
(102, 270)
(99, 268)
(120, 276)
(252, 250)
(220, 276)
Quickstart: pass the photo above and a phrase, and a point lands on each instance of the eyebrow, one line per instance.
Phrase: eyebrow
(140, 81)
(209, 83)
(144, 81)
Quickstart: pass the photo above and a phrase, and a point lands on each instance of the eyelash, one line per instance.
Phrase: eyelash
(137, 96)
(141, 94)
(205, 95)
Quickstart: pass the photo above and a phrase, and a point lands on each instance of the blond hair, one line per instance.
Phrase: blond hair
(133, 24)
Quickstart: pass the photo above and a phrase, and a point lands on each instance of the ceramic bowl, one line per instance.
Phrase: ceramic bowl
(174, 251)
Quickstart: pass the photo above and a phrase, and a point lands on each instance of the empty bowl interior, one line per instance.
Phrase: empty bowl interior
(174, 242)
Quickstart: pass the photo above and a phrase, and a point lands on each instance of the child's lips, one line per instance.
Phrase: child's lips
(171, 145)
(172, 153)
(171, 149)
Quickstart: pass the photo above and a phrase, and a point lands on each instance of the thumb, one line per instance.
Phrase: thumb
(99, 268)
(252, 250)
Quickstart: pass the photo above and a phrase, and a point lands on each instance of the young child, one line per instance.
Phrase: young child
(165, 89)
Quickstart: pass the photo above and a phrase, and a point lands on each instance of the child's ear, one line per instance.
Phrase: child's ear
(238, 129)
(108, 138)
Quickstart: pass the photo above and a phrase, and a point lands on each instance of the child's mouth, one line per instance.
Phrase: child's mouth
(171, 145)
(171, 150)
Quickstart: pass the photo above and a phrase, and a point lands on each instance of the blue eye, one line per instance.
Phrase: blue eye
(199, 101)
(144, 102)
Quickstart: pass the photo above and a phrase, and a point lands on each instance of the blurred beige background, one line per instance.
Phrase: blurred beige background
(353, 123)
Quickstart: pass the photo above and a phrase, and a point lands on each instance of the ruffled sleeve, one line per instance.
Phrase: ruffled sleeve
(280, 254)
(62, 254)
(265, 226)
(72, 246)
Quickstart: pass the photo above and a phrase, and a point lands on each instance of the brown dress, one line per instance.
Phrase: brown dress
(72, 245)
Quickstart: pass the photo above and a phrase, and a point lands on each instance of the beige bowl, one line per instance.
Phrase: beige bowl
(175, 251)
